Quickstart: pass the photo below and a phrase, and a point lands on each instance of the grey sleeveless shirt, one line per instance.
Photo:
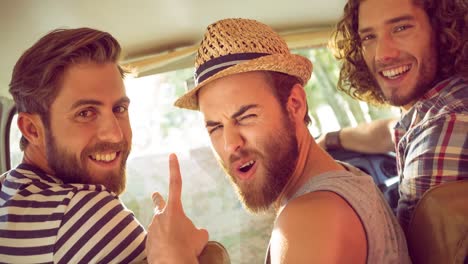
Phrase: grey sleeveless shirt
(386, 241)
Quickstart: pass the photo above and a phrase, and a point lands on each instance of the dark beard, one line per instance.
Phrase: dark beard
(280, 158)
(418, 91)
(70, 170)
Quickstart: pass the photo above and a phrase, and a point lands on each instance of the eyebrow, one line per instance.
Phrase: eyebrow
(238, 113)
(82, 102)
(390, 21)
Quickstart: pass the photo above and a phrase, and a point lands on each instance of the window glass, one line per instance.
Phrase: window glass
(16, 155)
(329, 108)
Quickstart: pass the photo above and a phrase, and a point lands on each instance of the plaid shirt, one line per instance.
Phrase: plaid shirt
(431, 143)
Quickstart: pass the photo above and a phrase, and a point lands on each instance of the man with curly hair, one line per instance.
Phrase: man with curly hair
(412, 54)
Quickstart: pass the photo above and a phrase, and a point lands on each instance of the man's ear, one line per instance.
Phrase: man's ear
(297, 103)
(31, 127)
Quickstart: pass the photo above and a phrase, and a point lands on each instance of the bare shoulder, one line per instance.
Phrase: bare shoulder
(319, 226)
(322, 207)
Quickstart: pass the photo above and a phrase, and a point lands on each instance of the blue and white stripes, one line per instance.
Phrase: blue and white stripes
(216, 65)
(45, 221)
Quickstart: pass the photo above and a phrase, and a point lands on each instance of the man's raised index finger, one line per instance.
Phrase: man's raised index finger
(175, 182)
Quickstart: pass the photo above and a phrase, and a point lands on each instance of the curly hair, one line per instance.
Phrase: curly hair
(449, 19)
(36, 77)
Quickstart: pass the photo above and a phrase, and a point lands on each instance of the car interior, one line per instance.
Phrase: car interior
(159, 39)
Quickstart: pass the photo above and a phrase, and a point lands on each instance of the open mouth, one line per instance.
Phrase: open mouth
(395, 72)
(246, 166)
(104, 157)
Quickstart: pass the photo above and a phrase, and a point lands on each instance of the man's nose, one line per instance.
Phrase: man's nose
(233, 139)
(109, 129)
(386, 49)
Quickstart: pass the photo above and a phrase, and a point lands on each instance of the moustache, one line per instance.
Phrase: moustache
(238, 155)
(243, 153)
(107, 147)
(381, 65)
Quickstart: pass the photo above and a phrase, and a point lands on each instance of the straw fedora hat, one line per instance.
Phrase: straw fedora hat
(238, 45)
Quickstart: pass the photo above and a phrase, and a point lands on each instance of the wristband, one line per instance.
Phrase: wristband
(332, 141)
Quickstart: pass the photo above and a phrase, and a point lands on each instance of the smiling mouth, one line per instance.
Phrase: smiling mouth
(104, 157)
(395, 72)
(246, 166)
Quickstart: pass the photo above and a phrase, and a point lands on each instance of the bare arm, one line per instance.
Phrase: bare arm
(373, 137)
(319, 227)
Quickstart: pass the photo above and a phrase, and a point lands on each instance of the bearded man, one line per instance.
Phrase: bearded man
(60, 205)
(250, 90)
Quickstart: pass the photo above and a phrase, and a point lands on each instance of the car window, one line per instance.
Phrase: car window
(14, 138)
(208, 198)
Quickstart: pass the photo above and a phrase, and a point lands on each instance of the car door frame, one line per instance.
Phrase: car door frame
(7, 111)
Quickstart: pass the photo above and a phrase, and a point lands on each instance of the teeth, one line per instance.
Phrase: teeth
(247, 164)
(393, 73)
(104, 157)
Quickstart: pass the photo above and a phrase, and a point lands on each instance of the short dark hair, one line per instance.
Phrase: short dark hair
(36, 77)
(283, 84)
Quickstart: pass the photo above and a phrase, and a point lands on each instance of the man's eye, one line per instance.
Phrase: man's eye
(85, 113)
(402, 28)
(247, 117)
(120, 109)
(214, 129)
(367, 38)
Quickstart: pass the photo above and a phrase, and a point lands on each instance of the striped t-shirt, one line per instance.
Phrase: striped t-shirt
(43, 220)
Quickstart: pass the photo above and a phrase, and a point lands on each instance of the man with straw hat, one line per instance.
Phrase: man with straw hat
(249, 88)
